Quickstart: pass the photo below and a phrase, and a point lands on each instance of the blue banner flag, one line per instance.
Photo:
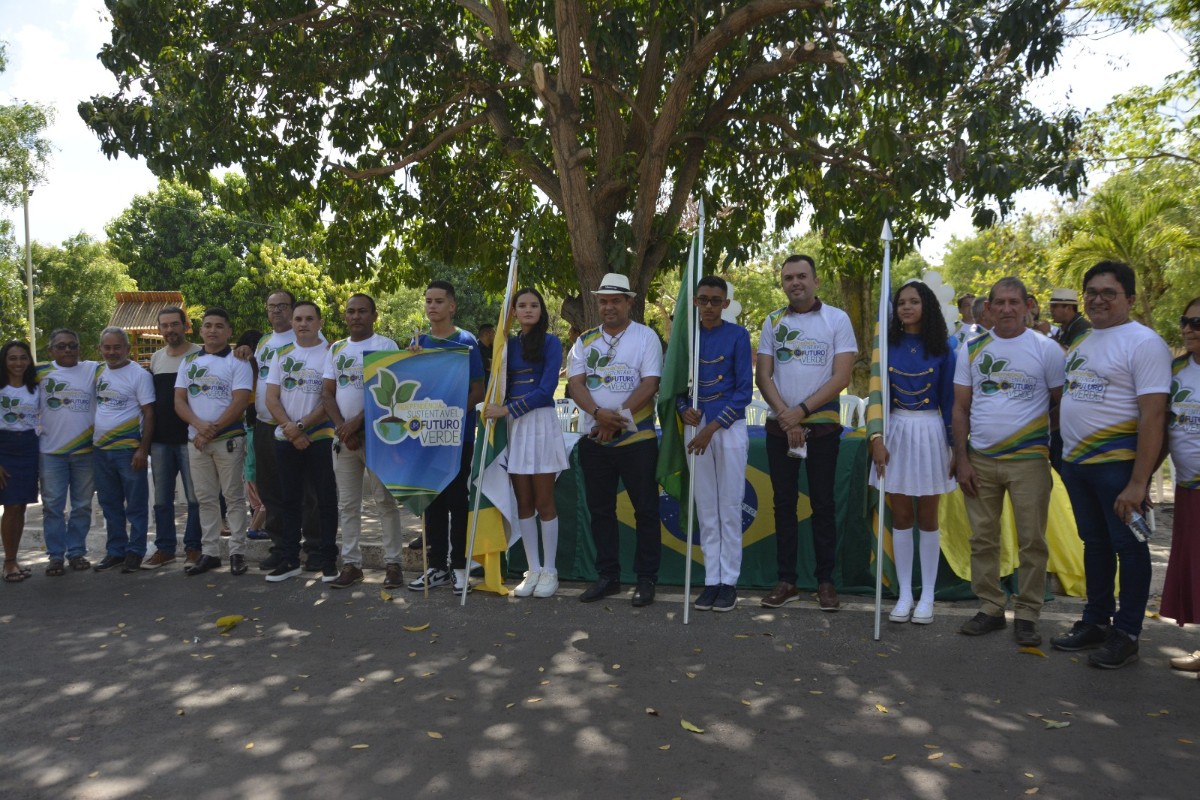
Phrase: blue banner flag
(414, 420)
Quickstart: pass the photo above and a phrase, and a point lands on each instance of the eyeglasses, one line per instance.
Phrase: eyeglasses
(1107, 295)
(65, 346)
(708, 301)
(278, 306)
(1190, 322)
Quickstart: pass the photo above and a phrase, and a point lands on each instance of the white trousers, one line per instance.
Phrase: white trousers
(720, 480)
(217, 470)
(353, 481)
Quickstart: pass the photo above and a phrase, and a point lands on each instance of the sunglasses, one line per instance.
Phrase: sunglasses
(709, 301)
(1190, 322)
(65, 346)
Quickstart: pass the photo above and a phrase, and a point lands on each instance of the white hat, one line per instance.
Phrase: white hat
(1065, 296)
(614, 283)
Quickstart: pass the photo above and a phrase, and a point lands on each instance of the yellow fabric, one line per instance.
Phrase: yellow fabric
(1066, 549)
(490, 542)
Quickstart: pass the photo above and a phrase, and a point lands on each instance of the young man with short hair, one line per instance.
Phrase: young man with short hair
(212, 391)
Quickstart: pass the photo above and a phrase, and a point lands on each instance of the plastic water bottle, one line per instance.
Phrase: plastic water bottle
(1140, 527)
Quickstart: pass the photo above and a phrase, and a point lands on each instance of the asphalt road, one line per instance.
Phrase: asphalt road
(120, 686)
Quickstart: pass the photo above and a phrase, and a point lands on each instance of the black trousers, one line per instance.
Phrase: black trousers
(821, 465)
(267, 481)
(446, 520)
(634, 465)
(301, 472)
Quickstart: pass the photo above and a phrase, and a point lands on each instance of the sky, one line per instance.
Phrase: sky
(52, 47)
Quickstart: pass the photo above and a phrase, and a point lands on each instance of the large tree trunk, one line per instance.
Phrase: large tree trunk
(856, 294)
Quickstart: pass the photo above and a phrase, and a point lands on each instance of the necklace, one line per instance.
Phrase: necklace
(612, 343)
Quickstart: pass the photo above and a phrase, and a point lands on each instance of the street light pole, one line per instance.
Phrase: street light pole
(29, 271)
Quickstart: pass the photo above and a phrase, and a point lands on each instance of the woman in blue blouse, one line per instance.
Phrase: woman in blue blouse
(18, 450)
(536, 453)
(916, 453)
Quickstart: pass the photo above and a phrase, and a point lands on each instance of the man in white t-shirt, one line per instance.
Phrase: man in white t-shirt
(1007, 382)
(613, 376)
(1113, 421)
(124, 425)
(303, 442)
(212, 391)
(805, 358)
(344, 399)
(68, 402)
(267, 481)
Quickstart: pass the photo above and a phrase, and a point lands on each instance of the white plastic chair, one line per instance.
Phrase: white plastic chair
(756, 413)
(568, 415)
(854, 411)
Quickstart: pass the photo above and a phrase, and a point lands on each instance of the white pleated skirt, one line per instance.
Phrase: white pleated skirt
(918, 455)
(535, 444)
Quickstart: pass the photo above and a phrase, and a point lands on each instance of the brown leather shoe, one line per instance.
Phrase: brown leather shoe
(349, 576)
(782, 594)
(158, 559)
(191, 557)
(827, 597)
(393, 577)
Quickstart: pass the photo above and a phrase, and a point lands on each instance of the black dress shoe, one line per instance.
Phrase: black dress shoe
(237, 564)
(203, 565)
(643, 595)
(603, 587)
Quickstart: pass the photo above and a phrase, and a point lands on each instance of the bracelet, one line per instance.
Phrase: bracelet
(805, 409)
(874, 436)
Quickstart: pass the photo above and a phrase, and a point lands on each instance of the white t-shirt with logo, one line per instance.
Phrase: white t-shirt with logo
(210, 379)
(1010, 382)
(1184, 428)
(19, 408)
(636, 354)
(68, 400)
(804, 346)
(299, 372)
(268, 346)
(120, 395)
(1107, 370)
(345, 369)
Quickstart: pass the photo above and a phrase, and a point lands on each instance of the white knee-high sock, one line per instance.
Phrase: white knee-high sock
(550, 544)
(902, 552)
(529, 538)
(931, 552)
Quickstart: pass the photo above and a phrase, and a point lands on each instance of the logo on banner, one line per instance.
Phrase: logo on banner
(429, 421)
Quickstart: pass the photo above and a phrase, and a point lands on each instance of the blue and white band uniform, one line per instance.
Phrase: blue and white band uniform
(535, 441)
(724, 378)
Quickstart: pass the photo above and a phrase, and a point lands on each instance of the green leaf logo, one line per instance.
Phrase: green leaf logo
(405, 392)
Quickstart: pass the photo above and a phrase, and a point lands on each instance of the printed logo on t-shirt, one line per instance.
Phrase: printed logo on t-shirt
(298, 377)
(1185, 409)
(109, 399)
(60, 396)
(603, 371)
(201, 382)
(792, 345)
(1082, 384)
(264, 361)
(349, 372)
(997, 378)
(10, 409)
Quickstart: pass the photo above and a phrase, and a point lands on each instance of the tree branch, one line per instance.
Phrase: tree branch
(442, 138)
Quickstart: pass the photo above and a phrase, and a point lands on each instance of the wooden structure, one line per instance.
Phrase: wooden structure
(137, 314)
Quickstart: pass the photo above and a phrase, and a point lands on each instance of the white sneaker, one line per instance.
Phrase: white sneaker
(433, 576)
(547, 584)
(923, 615)
(461, 583)
(526, 587)
(903, 611)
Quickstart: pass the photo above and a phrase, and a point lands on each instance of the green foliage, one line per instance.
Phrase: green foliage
(13, 323)
(184, 239)
(24, 152)
(402, 311)
(75, 285)
(1021, 247)
(438, 128)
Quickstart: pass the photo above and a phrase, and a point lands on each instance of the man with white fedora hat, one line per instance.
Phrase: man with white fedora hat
(1064, 310)
(613, 376)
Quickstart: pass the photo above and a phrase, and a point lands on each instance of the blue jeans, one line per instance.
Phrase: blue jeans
(66, 535)
(166, 462)
(123, 493)
(1107, 540)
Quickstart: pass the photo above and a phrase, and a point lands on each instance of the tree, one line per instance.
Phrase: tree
(1023, 247)
(24, 152)
(13, 324)
(76, 289)
(434, 128)
(178, 238)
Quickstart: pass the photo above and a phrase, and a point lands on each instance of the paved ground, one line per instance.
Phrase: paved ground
(120, 686)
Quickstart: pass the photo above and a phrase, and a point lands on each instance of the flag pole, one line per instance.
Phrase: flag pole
(694, 268)
(885, 291)
(481, 446)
